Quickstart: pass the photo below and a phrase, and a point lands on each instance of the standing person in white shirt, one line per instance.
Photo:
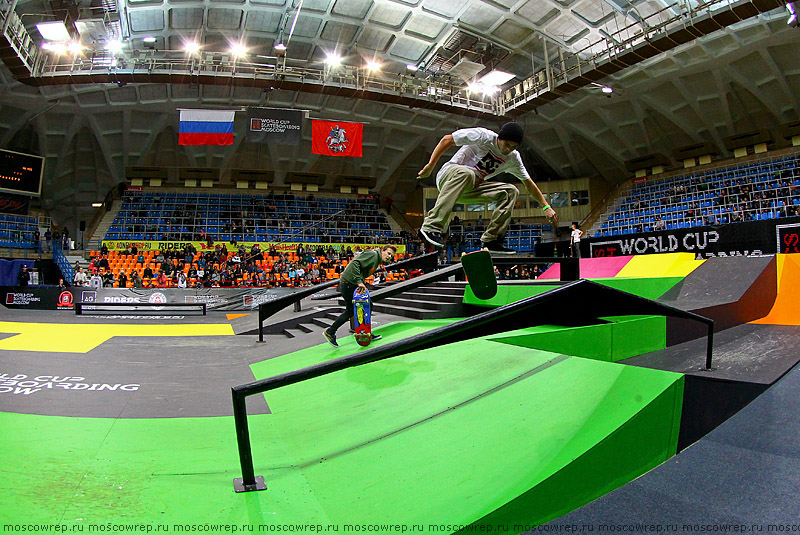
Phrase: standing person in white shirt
(466, 178)
(575, 241)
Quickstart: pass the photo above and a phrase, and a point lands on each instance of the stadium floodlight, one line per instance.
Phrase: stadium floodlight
(333, 59)
(58, 48)
(411, 67)
(607, 89)
(495, 78)
(149, 40)
(53, 31)
(238, 50)
(75, 47)
(191, 47)
(114, 46)
(792, 13)
(373, 66)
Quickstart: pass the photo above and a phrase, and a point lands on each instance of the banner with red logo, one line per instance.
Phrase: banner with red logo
(335, 138)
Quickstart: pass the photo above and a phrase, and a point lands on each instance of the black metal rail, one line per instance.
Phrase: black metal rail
(575, 303)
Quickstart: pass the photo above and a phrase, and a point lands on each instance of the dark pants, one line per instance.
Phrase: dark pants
(346, 290)
(576, 249)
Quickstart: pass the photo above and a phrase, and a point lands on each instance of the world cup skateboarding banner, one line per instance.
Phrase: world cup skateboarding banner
(335, 138)
(271, 125)
(206, 127)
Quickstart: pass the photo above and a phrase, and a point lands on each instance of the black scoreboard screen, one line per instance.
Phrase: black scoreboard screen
(788, 238)
(21, 173)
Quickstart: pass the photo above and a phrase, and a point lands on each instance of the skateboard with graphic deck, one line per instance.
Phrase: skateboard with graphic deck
(362, 317)
(479, 270)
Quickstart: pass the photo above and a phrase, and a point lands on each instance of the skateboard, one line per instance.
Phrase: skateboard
(479, 269)
(362, 317)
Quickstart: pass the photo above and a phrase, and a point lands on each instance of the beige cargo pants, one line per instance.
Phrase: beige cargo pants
(462, 184)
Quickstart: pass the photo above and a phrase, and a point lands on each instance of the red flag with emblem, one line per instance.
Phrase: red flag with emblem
(335, 138)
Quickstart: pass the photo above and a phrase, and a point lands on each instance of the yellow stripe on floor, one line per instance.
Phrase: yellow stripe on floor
(72, 338)
(234, 316)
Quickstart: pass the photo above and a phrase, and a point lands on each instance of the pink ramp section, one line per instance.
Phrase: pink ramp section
(592, 268)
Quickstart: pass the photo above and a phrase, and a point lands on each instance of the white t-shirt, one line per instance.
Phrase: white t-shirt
(576, 235)
(479, 150)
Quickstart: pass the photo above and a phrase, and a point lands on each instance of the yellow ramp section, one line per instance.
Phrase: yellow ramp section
(660, 265)
(786, 309)
(72, 338)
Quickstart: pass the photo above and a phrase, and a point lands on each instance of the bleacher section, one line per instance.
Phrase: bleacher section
(157, 216)
(521, 237)
(757, 190)
(18, 231)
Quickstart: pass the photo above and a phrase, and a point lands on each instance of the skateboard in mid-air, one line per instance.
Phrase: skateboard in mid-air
(362, 317)
(479, 269)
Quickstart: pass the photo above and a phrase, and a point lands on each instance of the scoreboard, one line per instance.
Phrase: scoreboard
(21, 173)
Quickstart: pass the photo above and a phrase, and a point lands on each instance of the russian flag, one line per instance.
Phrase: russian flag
(206, 127)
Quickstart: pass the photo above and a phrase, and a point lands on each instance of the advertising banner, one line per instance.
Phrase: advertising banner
(272, 125)
(285, 247)
(751, 238)
(223, 299)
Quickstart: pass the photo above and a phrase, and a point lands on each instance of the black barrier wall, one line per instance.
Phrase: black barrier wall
(53, 298)
(752, 238)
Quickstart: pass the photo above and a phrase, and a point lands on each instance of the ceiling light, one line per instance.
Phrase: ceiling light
(333, 59)
(373, 66)
(97, 204)
(792, 13)
(238, 50)
(75, 48)
(149, 40)
(58, 48)
(496, 78)
(114, 46)
(607, 89)
(411, 67)
(280, 47)
(191, 47)
(53, 31)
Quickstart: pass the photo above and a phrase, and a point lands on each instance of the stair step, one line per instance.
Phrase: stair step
(409, 312)
(303, 327)
(400, 302)
(287, 333)
(322, 322)
(446, 295)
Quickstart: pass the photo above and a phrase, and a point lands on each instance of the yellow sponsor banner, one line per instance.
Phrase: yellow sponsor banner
(284, 247)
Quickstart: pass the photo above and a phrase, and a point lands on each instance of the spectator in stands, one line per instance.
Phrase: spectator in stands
(23, 278)
(95, 281)
(181, 280)
(104, 250)
(108, 279)
(136, 280)
(80, 279)
(61, 284)
(47, 237)
(147, 274)
(103, 263)
(122, 279)
(483, 154)
(161, 280)
(140, 258)
(354, 278)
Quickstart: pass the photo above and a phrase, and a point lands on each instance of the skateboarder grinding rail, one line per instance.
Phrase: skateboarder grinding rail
(466, 178)
(352, 279)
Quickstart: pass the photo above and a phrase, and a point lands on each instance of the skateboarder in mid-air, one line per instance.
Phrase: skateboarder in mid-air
(466, 178)
(352, 279)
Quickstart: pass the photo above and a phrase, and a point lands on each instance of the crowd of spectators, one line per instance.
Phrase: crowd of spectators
(217, 267)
